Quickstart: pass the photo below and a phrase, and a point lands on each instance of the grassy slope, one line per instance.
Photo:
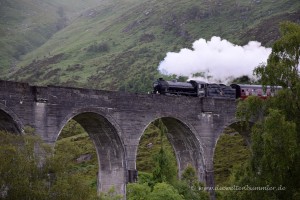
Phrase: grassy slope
(150, 145)
(75, 142)
(23, 25)
(230, 151)
(27, 24)
(139, 33)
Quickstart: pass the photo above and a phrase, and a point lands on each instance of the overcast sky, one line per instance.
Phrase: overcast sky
(216, 57)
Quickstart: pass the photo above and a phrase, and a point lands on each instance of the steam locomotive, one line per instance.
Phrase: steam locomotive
(202, 89)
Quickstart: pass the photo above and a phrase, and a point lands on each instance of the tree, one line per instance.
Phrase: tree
(136, 191)
(189, 175)
(273, 161)
(275, 139)
(189, 186)
(165, 170)
(164, 191)
(283, 63)
(20, 176)
(111, 194)
(26, 175)
(242, 80)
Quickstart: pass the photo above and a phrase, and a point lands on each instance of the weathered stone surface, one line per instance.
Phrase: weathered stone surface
(116, 121)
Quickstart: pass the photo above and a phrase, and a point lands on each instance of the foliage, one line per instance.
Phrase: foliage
(28, 171)
(164, 191)
(231, 151)
(68, 186)
(194, 193)
(274, 151)
(275, 159)
(178, 78)
(165, 170)
(138, 191)
(189, 186)
(70, 150)
(20, 176)
(204, 75)
(283, 63)
(150, 145)
(160, 191)
(189, 175)
(164, 174)
(242, 80)
(110, 195)
(251, 109)
(72, 128)
(274, 148)
(98, 48)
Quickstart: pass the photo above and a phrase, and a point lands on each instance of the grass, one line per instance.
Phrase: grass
(231, 151)
(121, 24)
(76, 146)
(150, 145)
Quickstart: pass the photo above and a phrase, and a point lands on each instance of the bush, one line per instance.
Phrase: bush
(29, 171)
(97, 48)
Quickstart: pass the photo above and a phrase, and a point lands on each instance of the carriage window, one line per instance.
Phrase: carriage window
(247, 92)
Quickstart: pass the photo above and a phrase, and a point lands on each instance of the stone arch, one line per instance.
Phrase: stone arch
(235, 142)
(187, 148)
(9, 121)
(105, 134)
(238, 127)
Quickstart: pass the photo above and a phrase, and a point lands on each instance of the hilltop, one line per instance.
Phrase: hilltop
(119, 44)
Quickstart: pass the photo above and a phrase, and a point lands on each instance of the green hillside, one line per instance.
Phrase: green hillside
(119, 45)
(27, 24)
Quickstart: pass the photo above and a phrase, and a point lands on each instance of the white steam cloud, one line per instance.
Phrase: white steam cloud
(217, 58)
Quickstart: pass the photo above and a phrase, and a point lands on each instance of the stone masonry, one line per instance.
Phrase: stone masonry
(115, 121)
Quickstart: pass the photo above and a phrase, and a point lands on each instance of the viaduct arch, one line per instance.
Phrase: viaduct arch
(116, 121)
(9, 120)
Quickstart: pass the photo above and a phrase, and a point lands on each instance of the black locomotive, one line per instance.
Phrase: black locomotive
(203, 89)
(193, 88)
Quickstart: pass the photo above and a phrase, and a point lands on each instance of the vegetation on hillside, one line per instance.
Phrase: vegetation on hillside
(27, 24)
(150, 144)
(28, 171)
(119, 44)
(231, 151)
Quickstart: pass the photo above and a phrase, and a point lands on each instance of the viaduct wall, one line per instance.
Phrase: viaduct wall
(115, 121)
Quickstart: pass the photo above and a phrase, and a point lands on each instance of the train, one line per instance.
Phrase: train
(202, 89)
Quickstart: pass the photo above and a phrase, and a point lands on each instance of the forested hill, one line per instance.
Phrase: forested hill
(118, 44)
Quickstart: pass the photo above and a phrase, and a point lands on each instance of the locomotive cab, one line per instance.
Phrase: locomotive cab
(160, 86)
(199, 88)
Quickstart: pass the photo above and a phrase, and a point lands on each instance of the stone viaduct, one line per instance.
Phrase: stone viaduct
(115, 121)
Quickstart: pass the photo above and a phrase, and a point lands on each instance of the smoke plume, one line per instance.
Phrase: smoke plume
(217, 58)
